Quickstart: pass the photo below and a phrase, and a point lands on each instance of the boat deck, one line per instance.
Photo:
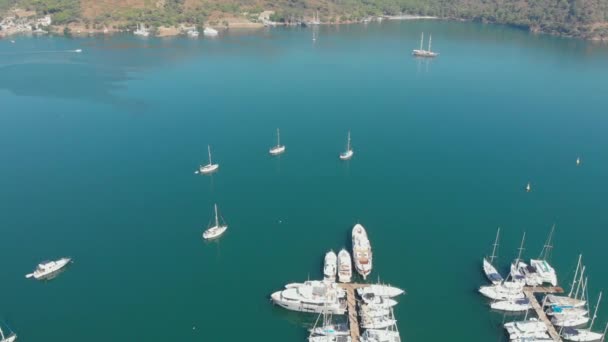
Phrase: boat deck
(351, 300)
(529, 291)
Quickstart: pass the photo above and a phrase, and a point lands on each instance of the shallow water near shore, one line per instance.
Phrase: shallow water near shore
(98, 151)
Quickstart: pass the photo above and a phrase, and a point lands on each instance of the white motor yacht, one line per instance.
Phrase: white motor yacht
(330, 266)
(362, 251)
(209, 168)
(12, 337)
(311, 296)
(516, 305)
(217, 230)
(47, 269)
(278, 149)
(345, 266)
(380, 290)
(346, 155)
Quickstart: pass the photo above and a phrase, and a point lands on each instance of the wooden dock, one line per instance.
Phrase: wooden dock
(529, 291)
(351, 301)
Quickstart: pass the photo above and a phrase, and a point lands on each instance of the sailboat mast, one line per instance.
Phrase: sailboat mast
(209, 150)
(546, 252)
(521, 248)
(595, 312)
(348, 142)
(278, 138)
(2, 334)
(421, 40)
(430, 38)
(605, 331)
(495, 246)
(578, 286)
(578, 265)
(217, 221)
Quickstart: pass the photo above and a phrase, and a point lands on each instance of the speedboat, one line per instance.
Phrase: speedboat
(512, 305)
(362, 251)
(345, 266)
(504, 291)
(374, 301)
(377, 323)
(380, 290)
(330, 266)
(380, 335)
(10, 338)
(278, 149)
(209, 168)
(311, 296)
(545, 271)
(216, 230)
(47, 269)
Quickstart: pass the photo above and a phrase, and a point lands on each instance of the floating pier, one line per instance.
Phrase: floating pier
(351, 309)
(530, 292)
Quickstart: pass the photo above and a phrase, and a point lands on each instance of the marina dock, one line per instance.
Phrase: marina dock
(351, 309)
(530, 291)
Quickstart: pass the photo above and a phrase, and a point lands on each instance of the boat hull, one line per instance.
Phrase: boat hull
(214, 232)
(346, 155)
(275, 151)
(491, 273)
(209, 168)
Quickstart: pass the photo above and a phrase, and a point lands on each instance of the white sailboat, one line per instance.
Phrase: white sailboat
(572, 298)
(516, 305)
(216, 230)
(578, 161)
(376, 302)
(209, 168)
(424, 53)
(328, 331)
(330, 266)
(278, 149)
(546, 273)
(528, 187)
(141, 31)
(47, 269)
(526, 329)
(575, 319)
(346, 155)
(12, 337)
(522, 272)
(345, 266)
(488, 267)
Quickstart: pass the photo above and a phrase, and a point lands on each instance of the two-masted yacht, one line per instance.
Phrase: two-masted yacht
(362, 251)
(278, 149)
(12, 337)
(209, 168)
(48, 269)
(217, 229)
(488, 267)
(141, 31)
(424, 53)
(346, 155)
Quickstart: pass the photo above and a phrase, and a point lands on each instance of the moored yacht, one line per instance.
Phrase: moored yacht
(572, 299)
(278, 149)
(380, 290)
(531, 328)
(424, 53)
(545, 272)
(525, 273)
(345, 266)
(362, 251)
(12, 337)
(217, 230)
(330, 266)
(488, 268)
(582, 335)
(209, 168)
(370, 311)
(141, 31)
(569, 321)
(380, 335)
(377, 323)
(516, 305)
(349, 151)
(210, 32)
(561, 312)
(327, 329)
(374, 302)
(311, 296)
(504, 291)
(47, 269)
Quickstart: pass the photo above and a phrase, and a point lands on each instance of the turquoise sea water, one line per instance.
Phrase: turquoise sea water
(98, 149)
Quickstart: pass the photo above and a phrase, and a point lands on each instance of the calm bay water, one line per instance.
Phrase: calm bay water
(98, 151)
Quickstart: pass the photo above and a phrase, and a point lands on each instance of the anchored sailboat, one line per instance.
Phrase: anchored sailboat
(10, 338)
(216, 230)
(349, 152)
(209, 168)
(278, 149)
(424, 53)
(488, 267)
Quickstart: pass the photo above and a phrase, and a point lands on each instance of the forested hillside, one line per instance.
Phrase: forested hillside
(578, 18)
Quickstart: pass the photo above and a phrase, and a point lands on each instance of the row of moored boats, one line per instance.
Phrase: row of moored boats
(569, 314)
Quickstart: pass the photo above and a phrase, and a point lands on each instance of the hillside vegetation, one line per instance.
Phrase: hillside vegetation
(577, 18)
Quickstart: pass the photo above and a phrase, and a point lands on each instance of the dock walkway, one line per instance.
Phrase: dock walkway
(529, 291)
(351, 301)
